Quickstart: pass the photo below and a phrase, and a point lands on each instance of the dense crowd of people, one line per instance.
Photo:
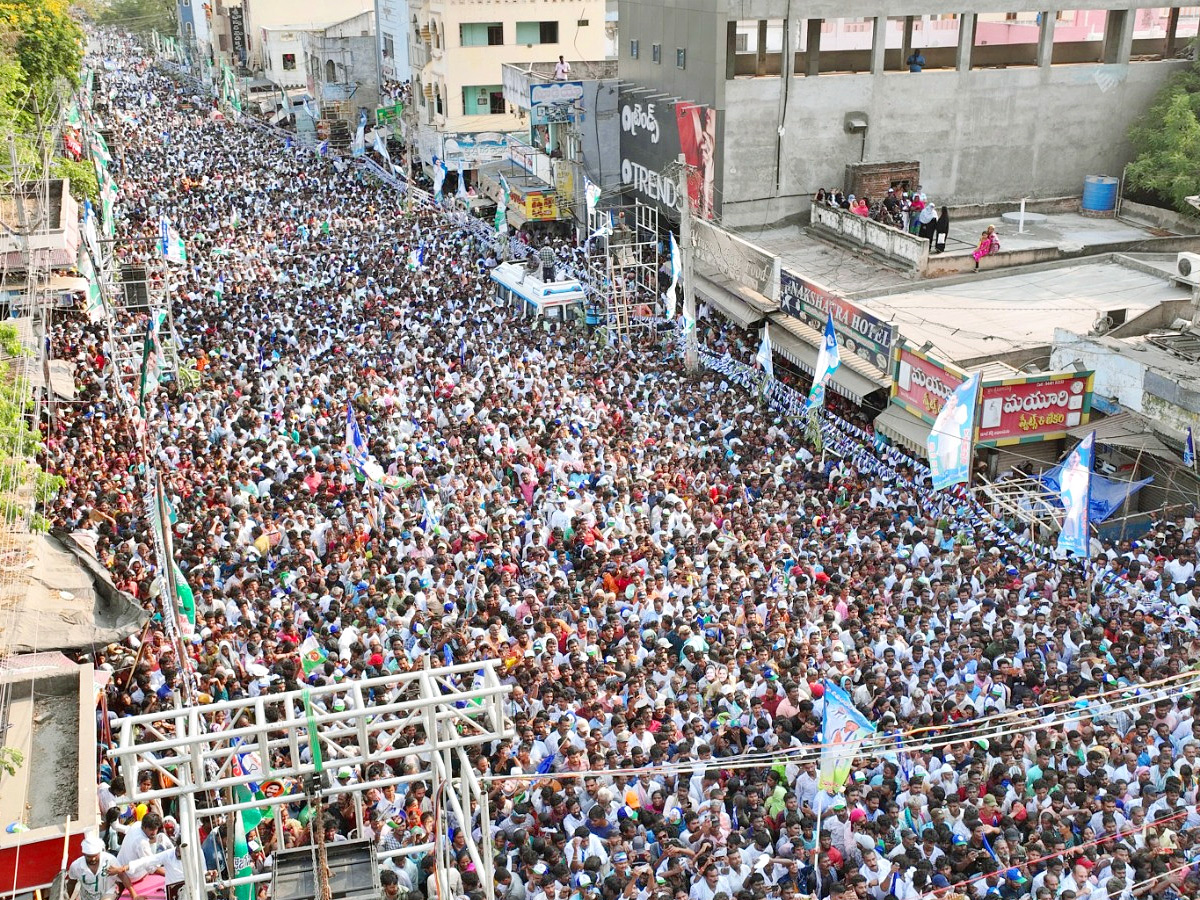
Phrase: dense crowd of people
(677, 583)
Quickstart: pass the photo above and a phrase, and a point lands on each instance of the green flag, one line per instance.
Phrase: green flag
(314, 742)
(183, 593)
(243, 863)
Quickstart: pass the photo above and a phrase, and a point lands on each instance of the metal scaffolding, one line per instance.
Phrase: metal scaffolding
(455, 710)
(623, 262)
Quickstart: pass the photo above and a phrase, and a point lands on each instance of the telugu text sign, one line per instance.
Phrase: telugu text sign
(862, 333)
(1036, 408)
(922, 384)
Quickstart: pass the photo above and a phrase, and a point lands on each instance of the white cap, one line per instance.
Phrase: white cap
(92, 845)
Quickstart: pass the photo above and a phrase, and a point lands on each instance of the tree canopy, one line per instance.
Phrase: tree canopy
(1167, 141)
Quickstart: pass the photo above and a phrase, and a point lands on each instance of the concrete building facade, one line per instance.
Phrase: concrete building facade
(457, 49)
(987, 121)
(392, 23)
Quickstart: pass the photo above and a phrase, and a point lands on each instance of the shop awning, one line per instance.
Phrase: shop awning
(726, 302)
(1131, 432)
(905, 429)
(798, 343)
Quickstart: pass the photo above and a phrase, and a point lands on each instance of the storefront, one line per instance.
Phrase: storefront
(1020, 416)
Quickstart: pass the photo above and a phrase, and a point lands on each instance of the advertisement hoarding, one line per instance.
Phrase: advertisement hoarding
(653, 134)
(555, 101)
(922, 384)
(1033, 407)
(863, 334)
(237, 30)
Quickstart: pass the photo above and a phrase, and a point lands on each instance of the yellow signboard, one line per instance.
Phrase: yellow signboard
(541, 207)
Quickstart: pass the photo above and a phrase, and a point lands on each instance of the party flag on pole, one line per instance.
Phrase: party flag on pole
(828, 361)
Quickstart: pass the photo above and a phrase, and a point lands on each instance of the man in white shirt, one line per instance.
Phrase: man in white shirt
(97, 873)
(562, 70)
(144, 842)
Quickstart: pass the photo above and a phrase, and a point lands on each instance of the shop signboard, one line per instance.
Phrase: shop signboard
(863, 334)
(541, 207)
(654, 132)
(1033, 407)
(922, 383)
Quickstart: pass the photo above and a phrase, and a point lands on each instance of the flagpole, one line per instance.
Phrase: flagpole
(691, 354)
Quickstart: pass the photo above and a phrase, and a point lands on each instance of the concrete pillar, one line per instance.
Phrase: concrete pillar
(730, 51)
(760, 56)
(966, 40)
(1045, 51)
(812, 56)
(906, 43)
(1118, 36)
(878, 44)
(1172, 32)
(787, 54)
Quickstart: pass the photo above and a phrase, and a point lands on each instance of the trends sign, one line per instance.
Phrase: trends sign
(653, 134)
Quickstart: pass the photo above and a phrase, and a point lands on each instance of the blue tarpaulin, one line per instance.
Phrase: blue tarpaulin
(1105, 496)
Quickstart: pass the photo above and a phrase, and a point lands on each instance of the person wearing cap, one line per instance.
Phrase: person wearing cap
(97, 873)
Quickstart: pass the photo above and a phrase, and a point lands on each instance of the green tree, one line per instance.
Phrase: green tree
(1167, 142)
(48, 43)
(139, 16)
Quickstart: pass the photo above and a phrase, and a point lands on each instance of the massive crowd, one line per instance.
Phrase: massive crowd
(672, 579)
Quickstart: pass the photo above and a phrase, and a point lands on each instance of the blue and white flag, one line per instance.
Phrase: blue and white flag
(828, 361)
(1189, 450)
(356, 450)
(604, 229)
(764, 356)
(843, 729)
(676, 272)
(591, 196)
(312, 113)
(381, 148)
(416, 259)
(439, 178)
(359, 147)
(170, 243)
(323, 148)
(462, 183)
(1075, 482)
(950, 442)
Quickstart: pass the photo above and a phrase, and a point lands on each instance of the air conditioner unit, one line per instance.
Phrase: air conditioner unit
(1187, 267)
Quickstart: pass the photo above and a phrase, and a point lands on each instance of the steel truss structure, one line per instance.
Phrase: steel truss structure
(623, 261)
(454, 709)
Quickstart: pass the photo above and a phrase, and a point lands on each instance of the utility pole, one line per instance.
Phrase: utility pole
(691, 356)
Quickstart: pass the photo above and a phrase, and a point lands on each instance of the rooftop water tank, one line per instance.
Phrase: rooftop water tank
(1099, 195)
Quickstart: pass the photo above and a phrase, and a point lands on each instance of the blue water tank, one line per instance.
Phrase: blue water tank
(1099, 194)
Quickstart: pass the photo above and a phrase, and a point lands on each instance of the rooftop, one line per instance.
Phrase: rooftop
(974, 318)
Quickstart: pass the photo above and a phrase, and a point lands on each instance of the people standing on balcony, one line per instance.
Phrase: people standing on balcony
(915, 61)
(562, 69)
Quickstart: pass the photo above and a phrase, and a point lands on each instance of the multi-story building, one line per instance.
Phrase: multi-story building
(1008, 105)
(392, 23)
(456, 51)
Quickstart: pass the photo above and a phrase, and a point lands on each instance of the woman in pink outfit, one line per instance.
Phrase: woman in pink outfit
(988, 244)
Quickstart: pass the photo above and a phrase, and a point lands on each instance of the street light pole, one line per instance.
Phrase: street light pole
(691, 356)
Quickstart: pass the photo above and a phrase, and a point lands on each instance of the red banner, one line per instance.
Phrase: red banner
(921, 384)
(1033, 409)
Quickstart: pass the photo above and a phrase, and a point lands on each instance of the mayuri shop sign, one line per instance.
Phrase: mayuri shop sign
(921, 384)
(1033, 407)
(862, 333)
